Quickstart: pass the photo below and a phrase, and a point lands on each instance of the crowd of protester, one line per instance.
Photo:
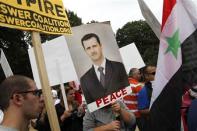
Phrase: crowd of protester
(21, 102)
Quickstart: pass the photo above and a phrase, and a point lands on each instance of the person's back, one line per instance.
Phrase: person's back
(20, 102)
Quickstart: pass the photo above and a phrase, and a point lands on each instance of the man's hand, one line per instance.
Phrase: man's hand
(116, 107)
(113, 126)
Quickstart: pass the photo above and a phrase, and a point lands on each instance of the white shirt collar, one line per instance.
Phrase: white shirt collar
(102, 65)
(96, 69)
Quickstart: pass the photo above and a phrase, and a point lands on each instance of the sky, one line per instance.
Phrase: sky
(119, 12)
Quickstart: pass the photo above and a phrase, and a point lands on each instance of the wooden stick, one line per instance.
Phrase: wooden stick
(62, 84)
(49, 103)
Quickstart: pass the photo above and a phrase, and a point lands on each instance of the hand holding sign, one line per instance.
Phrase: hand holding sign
(113, 126)
(116, 107)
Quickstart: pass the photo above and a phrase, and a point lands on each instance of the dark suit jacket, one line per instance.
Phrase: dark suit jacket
(115, 79)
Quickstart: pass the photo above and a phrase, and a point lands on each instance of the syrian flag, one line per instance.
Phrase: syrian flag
(176, 66)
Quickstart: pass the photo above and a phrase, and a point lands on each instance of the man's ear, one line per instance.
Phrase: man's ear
(17, 99)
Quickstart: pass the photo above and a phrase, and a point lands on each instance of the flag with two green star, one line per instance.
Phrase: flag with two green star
(176, 65)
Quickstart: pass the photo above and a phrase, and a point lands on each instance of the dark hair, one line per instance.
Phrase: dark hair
(10, 86)
(67, 89)
(146, 71)
(88, 36)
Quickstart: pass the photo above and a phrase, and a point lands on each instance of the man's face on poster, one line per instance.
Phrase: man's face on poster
(93, 49)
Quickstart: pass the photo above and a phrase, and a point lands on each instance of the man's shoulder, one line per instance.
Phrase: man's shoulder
(115, 63)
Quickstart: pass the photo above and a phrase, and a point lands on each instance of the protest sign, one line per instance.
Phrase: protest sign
(5, 65)
(92, 48)
(131, 57)
(150, 18)
(55, 51)
(36, 15)
(59, 65)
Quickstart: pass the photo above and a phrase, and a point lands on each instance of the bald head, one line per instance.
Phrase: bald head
(135, 74)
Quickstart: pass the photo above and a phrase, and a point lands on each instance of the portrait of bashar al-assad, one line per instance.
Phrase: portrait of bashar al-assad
(105, 76)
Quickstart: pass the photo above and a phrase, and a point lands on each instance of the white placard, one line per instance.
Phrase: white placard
(54, 50)
(131, 57)
(1, 116)
(150, 18)
(5, 65)
(62, 85)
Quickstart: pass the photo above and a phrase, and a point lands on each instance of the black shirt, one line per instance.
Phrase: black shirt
(72, 123)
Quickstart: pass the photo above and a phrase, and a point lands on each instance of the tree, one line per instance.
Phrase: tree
(73, 19)
(141, 34)
(15, 45)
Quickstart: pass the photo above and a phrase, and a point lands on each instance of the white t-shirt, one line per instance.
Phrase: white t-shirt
(3, 128)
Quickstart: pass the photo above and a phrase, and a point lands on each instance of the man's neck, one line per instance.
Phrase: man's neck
(14, 120)
(99, 62)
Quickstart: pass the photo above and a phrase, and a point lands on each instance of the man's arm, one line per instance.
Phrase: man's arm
(88, 122)
(126, 116)
(90, 125)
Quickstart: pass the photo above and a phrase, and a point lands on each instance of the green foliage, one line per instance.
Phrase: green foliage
(141, 34)
(73, 19)
(92, 21)
(15, 45)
